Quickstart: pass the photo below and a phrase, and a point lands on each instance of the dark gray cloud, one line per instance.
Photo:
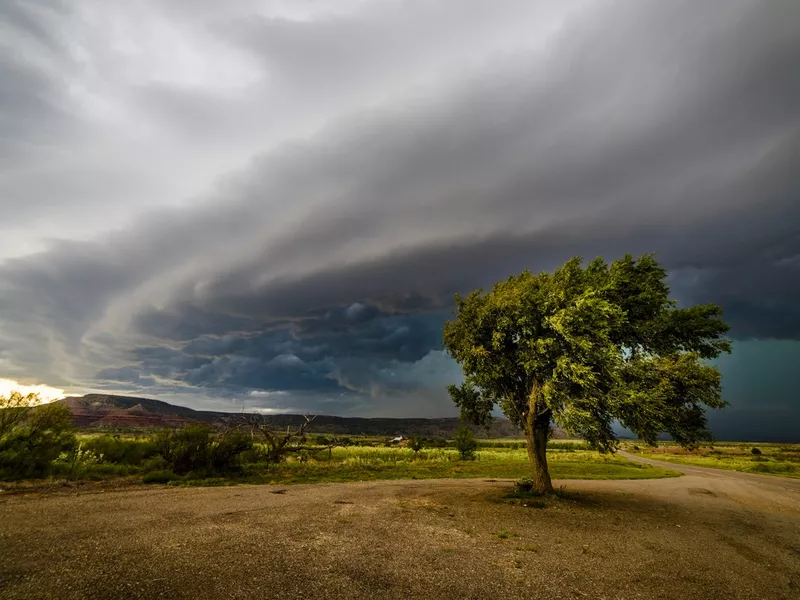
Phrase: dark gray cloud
(283, 201)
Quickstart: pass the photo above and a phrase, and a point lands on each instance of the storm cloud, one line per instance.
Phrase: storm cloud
(271, 204)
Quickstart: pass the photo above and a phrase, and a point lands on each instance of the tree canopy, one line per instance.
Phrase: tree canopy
(585, 346)
(32, 435)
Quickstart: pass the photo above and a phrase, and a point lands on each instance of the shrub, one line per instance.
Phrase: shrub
(155, 463)
(32, 435)
(756, 451)
(225, 452)
(255, 454)
(194, 450)
(465, 443)
(415, 444)
(112, 449)
(186, 449)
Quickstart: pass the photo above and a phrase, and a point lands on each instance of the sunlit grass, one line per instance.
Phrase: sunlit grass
(368, 464)
(771, 459)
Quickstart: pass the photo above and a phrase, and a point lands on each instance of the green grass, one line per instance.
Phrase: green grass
(504, 535)
(371, 464)
(495, 459)
(775, 459)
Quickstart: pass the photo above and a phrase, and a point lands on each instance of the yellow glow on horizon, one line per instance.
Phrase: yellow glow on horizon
(46, 393)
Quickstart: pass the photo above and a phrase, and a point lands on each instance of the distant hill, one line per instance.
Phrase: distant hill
(110, 411)
(98, 410)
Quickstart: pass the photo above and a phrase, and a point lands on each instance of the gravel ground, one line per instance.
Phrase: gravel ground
(698, 536)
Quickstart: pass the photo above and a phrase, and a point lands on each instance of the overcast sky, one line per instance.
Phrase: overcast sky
(270, 203)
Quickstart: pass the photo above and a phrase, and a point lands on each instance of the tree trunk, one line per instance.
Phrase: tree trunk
(537, 430)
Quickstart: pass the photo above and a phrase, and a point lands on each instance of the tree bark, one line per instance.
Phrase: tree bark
(537, 431)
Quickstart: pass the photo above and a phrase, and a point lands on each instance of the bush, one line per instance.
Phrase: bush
(415, 444)
(226, 451)
(155, 463)
(255, 454)
(195, 450)
(32, 435)
(112, 449)
(465, 443)
(756, 451)
(186, 449)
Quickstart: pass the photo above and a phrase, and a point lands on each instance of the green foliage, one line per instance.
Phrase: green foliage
(475, 408)
(114, 449)
(227, 449)
(524, 485)
(415, 444)
(195, 450)
(505, 534)
(465, 443)
(585, 346)
(154, 463)
(32, 435)
(185, 449)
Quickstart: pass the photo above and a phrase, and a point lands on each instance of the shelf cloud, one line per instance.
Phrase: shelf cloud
(271, 204)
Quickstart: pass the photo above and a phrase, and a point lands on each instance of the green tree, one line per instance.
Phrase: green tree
(465, 443)
(32, 435)
(582, 347)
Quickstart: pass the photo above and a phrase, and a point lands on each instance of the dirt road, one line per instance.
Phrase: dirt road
(703, 535)
(746, 487)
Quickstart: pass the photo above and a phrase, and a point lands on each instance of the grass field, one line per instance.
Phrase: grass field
(771, 459)
(364, 459)
(366, 463)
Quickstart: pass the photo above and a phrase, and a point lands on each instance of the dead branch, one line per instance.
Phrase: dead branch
(278, 442)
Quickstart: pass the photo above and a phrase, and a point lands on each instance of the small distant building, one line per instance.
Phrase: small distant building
(399, 439)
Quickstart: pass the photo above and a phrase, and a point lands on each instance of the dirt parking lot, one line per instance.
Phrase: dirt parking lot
(703, 535)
